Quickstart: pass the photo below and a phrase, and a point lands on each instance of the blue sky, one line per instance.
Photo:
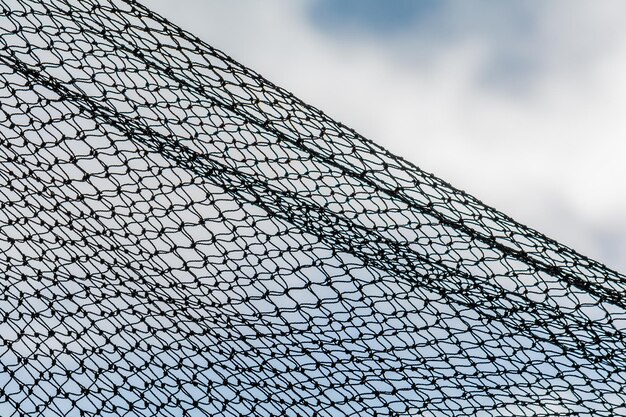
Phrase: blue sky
(518, 103)
(380, 18)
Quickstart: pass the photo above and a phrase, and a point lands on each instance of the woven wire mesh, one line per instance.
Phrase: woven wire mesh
(181, 237)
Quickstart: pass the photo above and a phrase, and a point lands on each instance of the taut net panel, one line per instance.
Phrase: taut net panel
(180, 237)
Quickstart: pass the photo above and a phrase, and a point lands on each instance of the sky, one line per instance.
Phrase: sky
(521, 104)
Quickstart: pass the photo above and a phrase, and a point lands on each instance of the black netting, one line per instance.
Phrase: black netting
(180, 237)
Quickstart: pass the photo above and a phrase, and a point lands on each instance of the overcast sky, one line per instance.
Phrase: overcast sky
(520, 103)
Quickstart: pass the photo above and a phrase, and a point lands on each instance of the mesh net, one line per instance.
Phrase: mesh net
(181, 237)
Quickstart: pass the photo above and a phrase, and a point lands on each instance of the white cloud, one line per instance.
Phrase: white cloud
(529, 120)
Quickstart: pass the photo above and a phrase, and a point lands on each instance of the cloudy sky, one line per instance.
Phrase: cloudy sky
(520, 103)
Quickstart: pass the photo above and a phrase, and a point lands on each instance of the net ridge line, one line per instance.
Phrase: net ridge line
(361, 175)
(608, 273)
(614, 296)
(187, 157)
(542, 344)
